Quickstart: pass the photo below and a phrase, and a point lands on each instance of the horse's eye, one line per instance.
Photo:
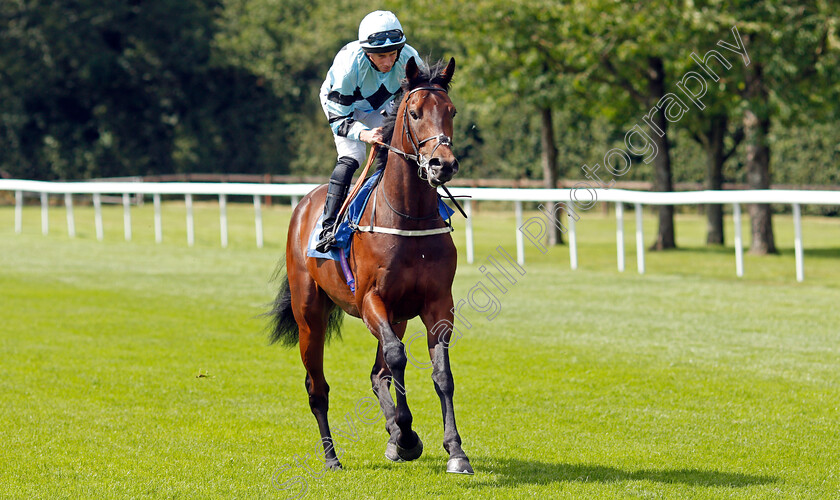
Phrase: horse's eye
(413, 114)
(454, 112)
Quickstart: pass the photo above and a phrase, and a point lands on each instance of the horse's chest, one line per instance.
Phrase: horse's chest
(414, 276)
(416, 269)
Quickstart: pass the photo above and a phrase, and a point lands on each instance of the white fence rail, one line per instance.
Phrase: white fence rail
(569, 198)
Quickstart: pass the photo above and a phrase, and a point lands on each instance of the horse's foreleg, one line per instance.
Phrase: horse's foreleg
(439, 335)
(407, 445)
(380, 380)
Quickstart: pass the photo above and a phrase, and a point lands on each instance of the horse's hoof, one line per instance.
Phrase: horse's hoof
(392, 454)
(459, 466)
(413, 453)
(332, 465)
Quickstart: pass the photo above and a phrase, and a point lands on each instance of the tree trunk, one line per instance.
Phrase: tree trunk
(662, 180)
(549, 166)
(714, 177)
(756, 131)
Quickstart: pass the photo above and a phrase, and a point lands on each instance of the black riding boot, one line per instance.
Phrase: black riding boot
(335, 197)
(339, 185)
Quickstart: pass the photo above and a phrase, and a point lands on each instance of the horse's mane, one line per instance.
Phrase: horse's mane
(429, 74)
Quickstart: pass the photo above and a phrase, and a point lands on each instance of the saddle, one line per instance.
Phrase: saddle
(349, 222)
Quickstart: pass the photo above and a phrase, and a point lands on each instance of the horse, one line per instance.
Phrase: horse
(398, 276)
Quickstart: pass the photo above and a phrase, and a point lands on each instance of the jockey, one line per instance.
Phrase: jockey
(357, 93)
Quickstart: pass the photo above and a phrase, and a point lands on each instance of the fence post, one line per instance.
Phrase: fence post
(223, 227)
(797, 242)
(45, 214)
(619, 234)
(97, 210)
(71, 220)
(640, 240)
(18, 212)
(739, 245)
(190, 222)
(573, 257)
(520, 241)
(126, 200)
(158, 225)
(258, 221)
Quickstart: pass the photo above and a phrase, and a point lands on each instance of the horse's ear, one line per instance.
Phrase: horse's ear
(446, 76)
(411, 70)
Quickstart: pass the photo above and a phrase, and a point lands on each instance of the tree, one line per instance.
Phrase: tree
(787, 46)
(716, 129)
(629, 48)
(506, 69)
(291, 44)
(93, 88)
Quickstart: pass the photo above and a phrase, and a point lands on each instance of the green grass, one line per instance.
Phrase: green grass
(131, 369)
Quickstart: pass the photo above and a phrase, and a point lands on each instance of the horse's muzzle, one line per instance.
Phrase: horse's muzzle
(442, 169)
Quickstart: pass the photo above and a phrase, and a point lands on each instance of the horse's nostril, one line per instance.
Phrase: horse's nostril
(443, 169)
(444, 165)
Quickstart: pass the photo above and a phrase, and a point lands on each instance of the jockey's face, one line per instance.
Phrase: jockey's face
(384, 62)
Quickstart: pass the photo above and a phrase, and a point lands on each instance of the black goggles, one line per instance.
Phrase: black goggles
(380, 38)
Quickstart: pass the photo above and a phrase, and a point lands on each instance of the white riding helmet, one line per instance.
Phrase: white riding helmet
(381, 31)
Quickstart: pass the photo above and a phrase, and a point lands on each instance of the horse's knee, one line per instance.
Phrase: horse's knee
(395, 356)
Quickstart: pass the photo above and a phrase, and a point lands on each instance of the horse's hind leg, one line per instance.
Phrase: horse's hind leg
(407, 443)
(312, 317)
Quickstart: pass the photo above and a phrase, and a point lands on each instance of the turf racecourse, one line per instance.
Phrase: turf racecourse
(134, 370)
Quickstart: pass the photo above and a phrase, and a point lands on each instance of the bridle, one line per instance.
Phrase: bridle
(422, 161)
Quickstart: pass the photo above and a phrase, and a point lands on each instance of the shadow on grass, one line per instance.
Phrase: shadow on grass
(822, 252)
(512, 472)
(707, 250)
(730, 250)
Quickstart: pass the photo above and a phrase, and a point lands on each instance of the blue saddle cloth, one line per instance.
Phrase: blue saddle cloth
(344, 233)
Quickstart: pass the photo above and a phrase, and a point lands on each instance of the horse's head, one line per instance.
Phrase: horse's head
(427, 114)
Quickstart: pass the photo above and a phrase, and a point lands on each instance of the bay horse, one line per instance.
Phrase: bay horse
(398, 276)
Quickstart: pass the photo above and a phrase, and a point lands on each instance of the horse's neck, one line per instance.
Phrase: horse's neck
(407, 193)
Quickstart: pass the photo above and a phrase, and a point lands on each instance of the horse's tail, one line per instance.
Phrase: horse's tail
(284, 328)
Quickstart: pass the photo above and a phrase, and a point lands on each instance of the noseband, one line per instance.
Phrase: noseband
(422, 161)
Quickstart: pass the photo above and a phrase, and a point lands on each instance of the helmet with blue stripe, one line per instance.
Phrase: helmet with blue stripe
(381, 31)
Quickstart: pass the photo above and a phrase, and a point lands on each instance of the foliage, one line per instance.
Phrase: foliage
(91, 89)
(290, 45)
